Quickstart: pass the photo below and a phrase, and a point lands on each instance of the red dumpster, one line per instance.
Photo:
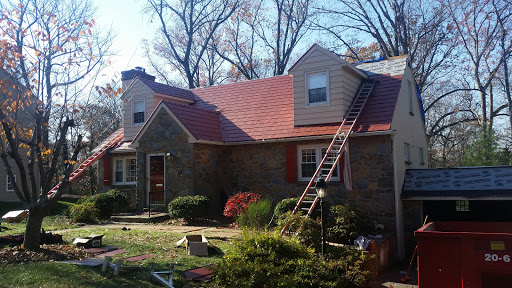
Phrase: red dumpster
(465, 255)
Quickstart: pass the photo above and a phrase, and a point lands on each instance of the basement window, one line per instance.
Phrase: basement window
(309, 158)
(317, 88)
(462, 205)
(10, 186)
(138, 112)
(125, 171)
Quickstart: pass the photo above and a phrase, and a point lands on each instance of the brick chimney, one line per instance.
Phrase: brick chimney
(127, 76)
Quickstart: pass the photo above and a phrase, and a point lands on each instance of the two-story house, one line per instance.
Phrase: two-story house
(268, 136)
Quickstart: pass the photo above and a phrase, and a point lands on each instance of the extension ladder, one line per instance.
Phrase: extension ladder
(335, 150)
(103, 148)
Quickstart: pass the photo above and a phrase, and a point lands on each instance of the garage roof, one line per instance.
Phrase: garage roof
(472, 183)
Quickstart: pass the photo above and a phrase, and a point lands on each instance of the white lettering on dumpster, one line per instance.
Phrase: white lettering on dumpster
(496, 258)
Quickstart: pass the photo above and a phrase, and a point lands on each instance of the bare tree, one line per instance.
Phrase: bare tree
(477, 27)
(282, 31)
(49, 47)
(187, 27)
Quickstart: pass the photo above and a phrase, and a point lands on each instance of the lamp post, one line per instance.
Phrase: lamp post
(321, 192)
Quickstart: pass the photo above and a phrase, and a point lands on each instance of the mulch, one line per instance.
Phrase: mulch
(53, 252)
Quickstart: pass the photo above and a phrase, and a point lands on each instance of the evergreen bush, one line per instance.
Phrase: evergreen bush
(257, 215)
(347, 224)
(188, 207)
(108, 203)
(268, 260)
(84, 212)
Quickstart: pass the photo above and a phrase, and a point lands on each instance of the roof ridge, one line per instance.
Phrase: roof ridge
(242, 82)
(189, 106)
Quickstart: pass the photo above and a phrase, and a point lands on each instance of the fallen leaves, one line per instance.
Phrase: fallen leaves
(50, 253)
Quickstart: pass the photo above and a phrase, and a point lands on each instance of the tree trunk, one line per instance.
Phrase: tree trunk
(32, 240)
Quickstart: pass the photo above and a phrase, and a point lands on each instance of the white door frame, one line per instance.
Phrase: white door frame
(148, 176)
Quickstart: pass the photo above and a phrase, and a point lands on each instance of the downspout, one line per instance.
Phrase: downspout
(399, 223)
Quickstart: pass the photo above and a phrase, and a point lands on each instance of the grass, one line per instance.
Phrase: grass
(134, 242)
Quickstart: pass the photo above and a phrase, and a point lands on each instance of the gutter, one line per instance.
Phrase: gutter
(278, 140)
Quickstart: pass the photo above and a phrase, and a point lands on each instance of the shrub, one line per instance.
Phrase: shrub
(268, 260)
(237, 203)
(305, 229)
(188, 207)
(257, 215)
(84, 212)
(108, 203)
(348, 223)
(284, 206)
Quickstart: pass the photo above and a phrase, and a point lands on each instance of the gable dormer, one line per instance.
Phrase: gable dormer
(141, 96)
(323, 87)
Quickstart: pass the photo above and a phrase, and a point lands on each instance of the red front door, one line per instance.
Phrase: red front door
(156, 179)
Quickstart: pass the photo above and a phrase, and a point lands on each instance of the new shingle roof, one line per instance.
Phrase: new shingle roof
(263, 109)
(169, 90)
(203, 124)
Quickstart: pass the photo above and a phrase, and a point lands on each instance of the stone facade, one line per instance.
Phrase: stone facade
(165, 136)
(218, 171)
(261, 168)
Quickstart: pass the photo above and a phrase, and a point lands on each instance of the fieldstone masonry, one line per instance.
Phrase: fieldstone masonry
(218, 171)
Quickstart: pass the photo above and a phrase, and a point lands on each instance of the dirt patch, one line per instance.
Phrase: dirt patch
(50, 253)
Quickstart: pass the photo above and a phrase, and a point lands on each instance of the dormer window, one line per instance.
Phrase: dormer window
(317, 88)
(138, 112)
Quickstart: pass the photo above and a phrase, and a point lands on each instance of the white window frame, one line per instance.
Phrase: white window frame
(306, 85)
(422, 158)
(124, 161)
(8, 182)
(318, 153)
(407, 153)
(409, 94)
(133, 112)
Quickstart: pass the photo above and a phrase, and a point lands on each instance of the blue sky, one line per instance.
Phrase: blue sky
(131, 26)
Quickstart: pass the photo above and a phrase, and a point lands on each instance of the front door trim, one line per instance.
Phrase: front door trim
(148, 176)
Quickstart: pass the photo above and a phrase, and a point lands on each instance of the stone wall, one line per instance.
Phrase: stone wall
(165, 136)
(261, 168)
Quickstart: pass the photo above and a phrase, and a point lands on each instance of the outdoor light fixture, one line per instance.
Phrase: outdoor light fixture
(321, 188)
(321, 192)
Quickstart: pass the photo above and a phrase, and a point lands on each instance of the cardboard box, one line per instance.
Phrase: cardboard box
(15, 216)
(195, 244)
(89, 241)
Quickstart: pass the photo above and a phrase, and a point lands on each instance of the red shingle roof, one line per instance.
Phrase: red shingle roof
(263, 109)
(203, 124)
(168, 90)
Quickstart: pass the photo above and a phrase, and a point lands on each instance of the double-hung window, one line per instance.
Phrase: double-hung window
(10, 186)
(138, 112)
(317, 88)
(309, 158)
(125, 171)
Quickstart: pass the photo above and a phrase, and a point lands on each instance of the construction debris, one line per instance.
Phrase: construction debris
(201, 274)
(117, 266)
(195, 244)
(15, 216)
(159, 278)
(89, 241)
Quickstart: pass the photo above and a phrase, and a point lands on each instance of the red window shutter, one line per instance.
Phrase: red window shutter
(341, 165)
(291, 163)
(106, 170)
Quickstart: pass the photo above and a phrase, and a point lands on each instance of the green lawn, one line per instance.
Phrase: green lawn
(135, 242)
